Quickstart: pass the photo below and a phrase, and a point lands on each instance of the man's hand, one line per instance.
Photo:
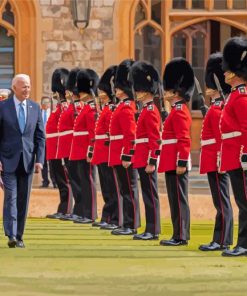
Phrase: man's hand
(150, 168)
(126, 164)
(38, 167)
(180, 170)
(1, 167)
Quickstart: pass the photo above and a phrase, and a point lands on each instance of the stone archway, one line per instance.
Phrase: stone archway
(27, 40)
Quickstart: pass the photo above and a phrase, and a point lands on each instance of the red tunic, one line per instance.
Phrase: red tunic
(233, 127)
(211, 139)
(83, 136)
(65, 129)
(122, 133)
(52, 133)
(176, 139)
(147, 136)
(101, 150)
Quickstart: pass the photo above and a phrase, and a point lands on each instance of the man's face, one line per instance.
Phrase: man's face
(22, 89)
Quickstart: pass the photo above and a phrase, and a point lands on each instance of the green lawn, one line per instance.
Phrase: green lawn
(62, 258)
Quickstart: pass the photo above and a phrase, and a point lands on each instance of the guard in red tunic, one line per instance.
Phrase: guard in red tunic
(178, 83)
(110, 218)
(122, 136)
(65, 129)
(83, 144)
(59, 80)
(209, 159)
(146, 83)
(233, 126)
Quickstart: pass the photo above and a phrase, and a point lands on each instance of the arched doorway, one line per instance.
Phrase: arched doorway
(19, 42)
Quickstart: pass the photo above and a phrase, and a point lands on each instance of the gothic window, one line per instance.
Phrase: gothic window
(148, 32)
(7, 45)
(179, 4)
(148, 46)
(6, 58)
(220, 4)
(8, 15)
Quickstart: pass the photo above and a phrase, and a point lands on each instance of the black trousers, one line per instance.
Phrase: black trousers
(223, 229)
(46, 171)
(110, 194)
(238, 179)
(128, 189)
(62, 181)
(177, 190)
(17, 187)
(149, 187)
(84, 177)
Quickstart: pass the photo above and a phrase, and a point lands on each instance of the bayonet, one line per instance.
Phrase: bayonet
(203, 106)
(219, 88)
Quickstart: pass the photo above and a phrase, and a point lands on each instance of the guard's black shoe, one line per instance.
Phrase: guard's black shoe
(123, 231)
(54, 186)
(173, 242)
(237, 251)
(99, 224)
(109, 227)
(146, 236)
(69, 217)
(44, 185)
(83, 221)
(12, 242)
(54, 216)
(20, 244)
(213, 246)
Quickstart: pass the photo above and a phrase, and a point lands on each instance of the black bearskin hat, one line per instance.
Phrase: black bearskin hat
(105, 81)
(145, 77)
(235, 56)
(87, 81)
(71, 83)
(122, 77)
(59, 80)
(179, 77)
(214, 66)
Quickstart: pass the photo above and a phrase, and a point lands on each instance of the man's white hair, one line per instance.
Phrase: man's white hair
(20, 77)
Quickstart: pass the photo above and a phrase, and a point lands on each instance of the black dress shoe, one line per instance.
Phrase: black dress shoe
(213, 246)
(83, 221)
(173, 242)
(20, 244)
(54, 186)
(237, 251)
(109, 227)
(99, 224)
(12, 242)
(55, 216)
(69, 217)
(146, 236)
(123, 231)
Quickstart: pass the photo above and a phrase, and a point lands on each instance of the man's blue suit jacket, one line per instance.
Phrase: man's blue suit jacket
(12, 142)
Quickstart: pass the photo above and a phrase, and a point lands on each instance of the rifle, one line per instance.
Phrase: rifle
(95, 102)
(162, 108)
(203, 106)
(219, 88)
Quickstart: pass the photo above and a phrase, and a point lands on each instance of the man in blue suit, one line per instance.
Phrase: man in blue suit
(22, 146)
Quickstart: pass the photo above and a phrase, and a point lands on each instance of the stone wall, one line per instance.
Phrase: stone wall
(65, 46)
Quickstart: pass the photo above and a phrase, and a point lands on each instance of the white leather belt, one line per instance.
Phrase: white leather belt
(230, 135)
(169, 141)
(66, 133)
(141, 140)
(101, 137)
(117, 137)
(80, 133)
(53, 135)
(208, 142)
